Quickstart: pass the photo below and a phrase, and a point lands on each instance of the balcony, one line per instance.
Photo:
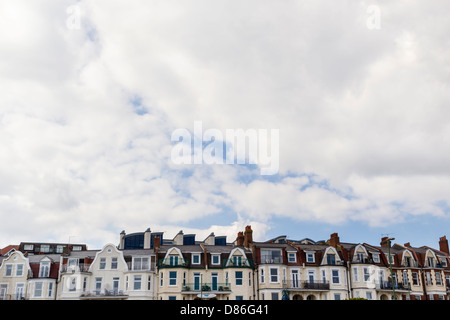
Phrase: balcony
(238, 263)
(206, 287)
(387, 285)
(82, 267)
(151, 267)
(306, 285)
(271, 259)
(104, 295)
(173, 263)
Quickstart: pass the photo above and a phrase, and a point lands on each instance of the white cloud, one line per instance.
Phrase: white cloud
(363, 113)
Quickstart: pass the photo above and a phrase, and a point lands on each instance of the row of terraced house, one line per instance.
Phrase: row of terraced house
(145, 265)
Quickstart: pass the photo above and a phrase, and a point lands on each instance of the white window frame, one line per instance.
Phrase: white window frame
(218, 259)
(333, 276)
(171, 278)
(102, 264)
(21, 269)
(9, 267)
(41, 290)
(310, 255)
(277, 275)
(44, 269)
(355, 274)
(290, 255)
(196, 254)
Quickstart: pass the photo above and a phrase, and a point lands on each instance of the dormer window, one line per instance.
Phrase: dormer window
(310, 257)
(215, 259)
(44, 269)
(431, 262)
(408, 262)
(360, 257)
(331, 259)
(196, 258)
(376, 258)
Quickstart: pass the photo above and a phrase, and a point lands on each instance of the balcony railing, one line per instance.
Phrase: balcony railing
(17, 296)
(173, 263)
(145, 267)
(306, 285)
(387, 285)
(209, 286)
(82, 267)
(271, 259)
(103, 294)
(242, 263)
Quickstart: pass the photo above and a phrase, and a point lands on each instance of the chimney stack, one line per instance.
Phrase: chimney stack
(407, 245)
(122, 239)
(248, 236)
(334, 240)
(240, 239)
(147, 238)
(443, 244)
(384, 242)
(156, 242)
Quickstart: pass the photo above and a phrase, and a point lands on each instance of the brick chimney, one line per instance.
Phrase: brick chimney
(156, 242)
(384, 242)
(248, 236)
(240, 239)
(407, 244)
(334, 240)
(443, 244)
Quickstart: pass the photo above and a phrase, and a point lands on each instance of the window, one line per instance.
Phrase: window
(355, 275)
(369, 295)
(115, 285)
(438, 277)
(172, 298)
(430, 262)
(84, 284)
(292, 257)
(261, 274)
(271, 256)
(114, 263)
(239, 278)
(337, 296)
(19, 270)
(98, 285)
(331, 259)
(149, 283)
(50, 290)
(137, 282)
(335, 276)
(44, 269)
(215, 259)
(8, 270)
(273, 275)
(405, 278)
(161, 277)
(38, 289)
(102, 263)
(428, 278)
(141, 263)
(59, 248)
(360, 257)
(72, 284)
(274, 295)
(195, 258)
(443, 262)
(376, 258)
(28, 247)
(239, 297)
(408, 262)
(76, 248)
(45, 248)
(172, 278)
(366, 274)
(237, 260)
(310, 257)
(415, 279)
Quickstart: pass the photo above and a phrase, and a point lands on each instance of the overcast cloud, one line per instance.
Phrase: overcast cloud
(92, 90)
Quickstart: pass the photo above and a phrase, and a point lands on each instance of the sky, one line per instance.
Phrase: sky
(92, 92)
